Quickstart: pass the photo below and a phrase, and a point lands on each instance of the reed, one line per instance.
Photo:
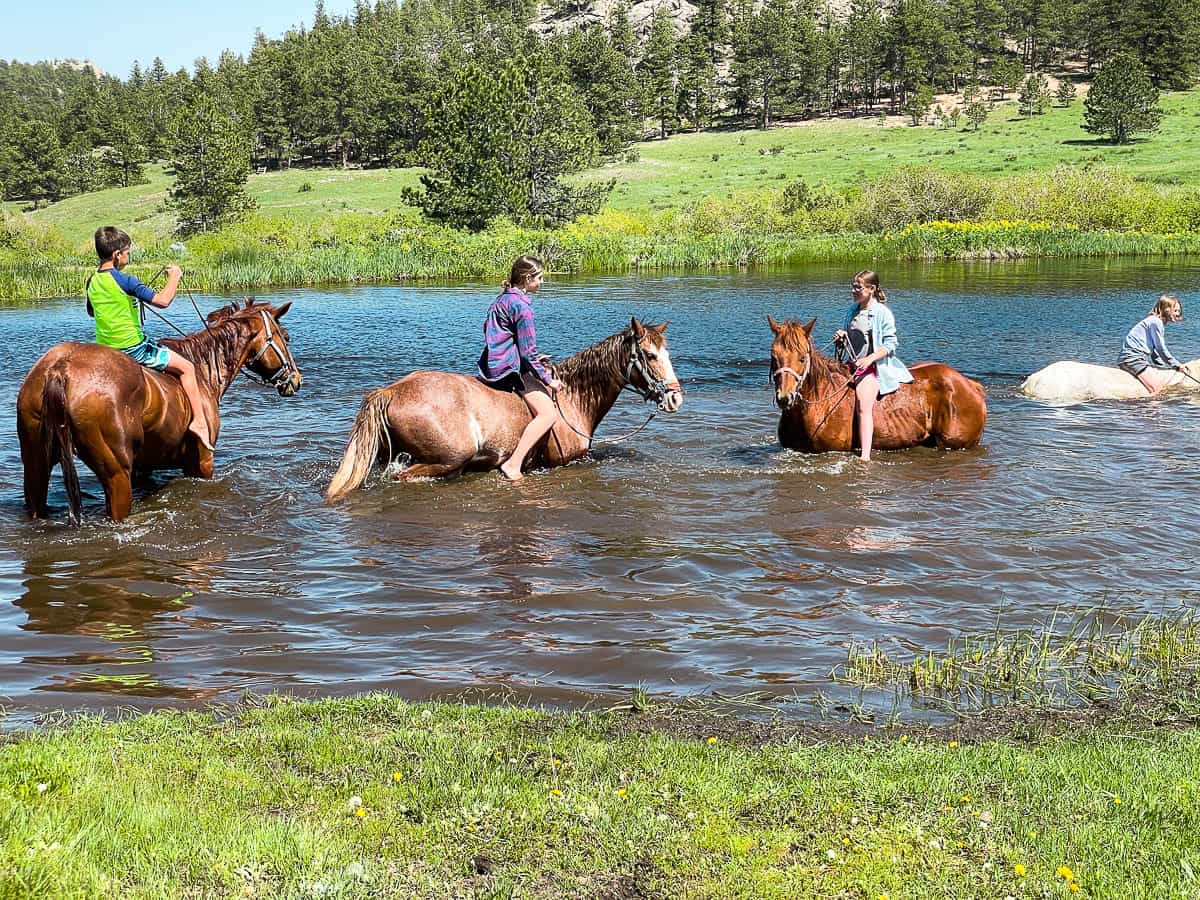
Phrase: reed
(1087, 661)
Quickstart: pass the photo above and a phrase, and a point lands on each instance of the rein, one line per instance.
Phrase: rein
(656, 391)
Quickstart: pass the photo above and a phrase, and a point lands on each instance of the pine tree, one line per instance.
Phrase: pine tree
(608, 86)
(1066, 92)
(1123, 100)
(36, 165)
(499, 143)
(1034, 95)
(210, 159)
(976, 112)
(656, 71)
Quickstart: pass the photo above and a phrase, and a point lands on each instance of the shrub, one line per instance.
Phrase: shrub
(916, 194)
(305, 187)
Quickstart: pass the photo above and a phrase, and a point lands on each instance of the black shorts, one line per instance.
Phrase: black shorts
(520, 383)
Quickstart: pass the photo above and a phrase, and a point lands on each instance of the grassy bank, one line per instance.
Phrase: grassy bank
(377, 797)
(1079, 779)
(841, 191)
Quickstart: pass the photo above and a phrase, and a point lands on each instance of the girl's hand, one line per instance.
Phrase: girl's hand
(555, 385)
(839, 336)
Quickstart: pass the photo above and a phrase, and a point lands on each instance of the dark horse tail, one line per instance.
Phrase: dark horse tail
(367, 439)
(56, 435)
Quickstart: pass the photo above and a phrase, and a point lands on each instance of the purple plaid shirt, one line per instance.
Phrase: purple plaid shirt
(510, 342)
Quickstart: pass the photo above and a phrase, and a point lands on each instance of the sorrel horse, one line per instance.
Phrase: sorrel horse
(116, 415)
(815, 394)
(448, 423)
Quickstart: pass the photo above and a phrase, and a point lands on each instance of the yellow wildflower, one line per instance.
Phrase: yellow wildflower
(1019, 869)
(1074, 887)
(556, 793)
(903, 740)
(1065, 872)
(361, 812)
(1116, 801)
(712, 740)
(621, 792)
(953, 744)
(397, 777)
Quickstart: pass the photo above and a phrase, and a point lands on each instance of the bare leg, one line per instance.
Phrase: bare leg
(1154, 379)
(867, 390)
(177, 365)
(544, 416)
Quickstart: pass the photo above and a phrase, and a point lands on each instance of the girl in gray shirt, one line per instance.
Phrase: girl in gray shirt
(1145, 355)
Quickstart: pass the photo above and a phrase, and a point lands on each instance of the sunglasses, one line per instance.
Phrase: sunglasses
(859, 287)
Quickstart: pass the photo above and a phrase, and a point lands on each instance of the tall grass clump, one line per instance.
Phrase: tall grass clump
(912, 195)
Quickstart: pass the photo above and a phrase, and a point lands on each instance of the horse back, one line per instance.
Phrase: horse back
(955, 405)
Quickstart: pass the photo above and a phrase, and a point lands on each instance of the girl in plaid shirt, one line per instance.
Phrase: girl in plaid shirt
(509, 361)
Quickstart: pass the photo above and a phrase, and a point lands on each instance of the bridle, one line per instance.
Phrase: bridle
(656, 389)
(776, 371)
(286, 370)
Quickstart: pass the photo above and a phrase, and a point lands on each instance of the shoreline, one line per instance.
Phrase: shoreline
(418, 255)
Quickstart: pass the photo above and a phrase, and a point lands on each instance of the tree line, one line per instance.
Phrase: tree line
(385, 85)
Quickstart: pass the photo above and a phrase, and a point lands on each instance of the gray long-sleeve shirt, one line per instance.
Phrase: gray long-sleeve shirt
(1146, 343)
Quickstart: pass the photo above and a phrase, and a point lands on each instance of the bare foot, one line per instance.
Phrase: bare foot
(200, 430)
(509, 474)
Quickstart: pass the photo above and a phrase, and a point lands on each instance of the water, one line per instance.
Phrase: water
(698, 558)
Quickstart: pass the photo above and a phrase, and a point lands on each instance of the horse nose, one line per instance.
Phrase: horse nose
(672, 401)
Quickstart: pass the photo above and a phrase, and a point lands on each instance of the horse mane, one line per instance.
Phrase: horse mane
(823, 367)
(214, 350)
(599, 368)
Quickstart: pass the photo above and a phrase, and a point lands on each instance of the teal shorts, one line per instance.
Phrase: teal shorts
(149, 354)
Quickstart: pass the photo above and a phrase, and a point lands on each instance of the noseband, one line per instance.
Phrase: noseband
(788, 370)
(284, 373)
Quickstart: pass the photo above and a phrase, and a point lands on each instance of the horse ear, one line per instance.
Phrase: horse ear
(775, 326)
(663, 327)
(282, 311)
(639, 330)
(809, 327)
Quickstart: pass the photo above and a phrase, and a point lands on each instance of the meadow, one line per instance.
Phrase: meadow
(847, 190)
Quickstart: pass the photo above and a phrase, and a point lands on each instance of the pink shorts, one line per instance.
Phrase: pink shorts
(870, 370)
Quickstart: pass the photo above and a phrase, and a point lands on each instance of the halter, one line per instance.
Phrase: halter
(284, 373)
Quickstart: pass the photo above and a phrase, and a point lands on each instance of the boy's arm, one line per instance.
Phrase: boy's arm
(164, 297)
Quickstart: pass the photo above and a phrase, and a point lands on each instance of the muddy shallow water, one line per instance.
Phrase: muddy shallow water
(698, 558)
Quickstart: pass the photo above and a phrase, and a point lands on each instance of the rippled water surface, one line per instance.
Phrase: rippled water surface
(700, 557)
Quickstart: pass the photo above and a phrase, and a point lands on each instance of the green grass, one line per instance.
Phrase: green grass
(844, 153)
(375, 797)
(1020, 187)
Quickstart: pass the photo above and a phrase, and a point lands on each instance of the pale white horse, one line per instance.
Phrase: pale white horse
(1075, 382)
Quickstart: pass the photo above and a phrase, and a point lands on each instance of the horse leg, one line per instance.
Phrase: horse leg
(37, 461)
(431, 470)
(111, 458)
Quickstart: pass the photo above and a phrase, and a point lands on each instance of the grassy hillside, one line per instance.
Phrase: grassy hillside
(681, 169)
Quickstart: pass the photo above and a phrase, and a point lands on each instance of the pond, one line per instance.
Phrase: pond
(698, 558)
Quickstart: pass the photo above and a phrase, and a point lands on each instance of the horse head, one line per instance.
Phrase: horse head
(650, 372)
(791, 359)
(268, 355)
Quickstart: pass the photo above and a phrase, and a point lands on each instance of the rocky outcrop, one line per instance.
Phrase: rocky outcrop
(564, 17)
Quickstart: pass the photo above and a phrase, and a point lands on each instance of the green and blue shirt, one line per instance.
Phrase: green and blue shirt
(114, 297)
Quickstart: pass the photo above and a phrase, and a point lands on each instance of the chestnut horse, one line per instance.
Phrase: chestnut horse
(940, 408)
(117, 415)
(448, 423)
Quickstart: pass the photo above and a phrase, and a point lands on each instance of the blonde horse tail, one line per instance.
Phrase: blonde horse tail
(367, 438)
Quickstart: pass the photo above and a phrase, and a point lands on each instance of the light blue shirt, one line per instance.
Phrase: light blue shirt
(882, 324)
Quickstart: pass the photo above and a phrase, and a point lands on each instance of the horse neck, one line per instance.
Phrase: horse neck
(218, 353)
(596, 376)
(824, 377)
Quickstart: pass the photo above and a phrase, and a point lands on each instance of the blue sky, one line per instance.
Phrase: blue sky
(177, 30)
